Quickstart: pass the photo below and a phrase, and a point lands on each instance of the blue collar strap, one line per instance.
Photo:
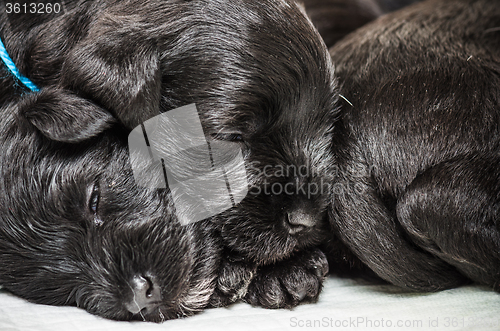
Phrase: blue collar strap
(13, 69)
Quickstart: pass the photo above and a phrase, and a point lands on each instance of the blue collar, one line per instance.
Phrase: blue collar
(13, 69)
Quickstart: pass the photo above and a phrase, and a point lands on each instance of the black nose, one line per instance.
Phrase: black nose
(298, 221)
(146, 294)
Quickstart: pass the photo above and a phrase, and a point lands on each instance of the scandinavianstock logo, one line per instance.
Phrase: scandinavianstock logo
(205, 177)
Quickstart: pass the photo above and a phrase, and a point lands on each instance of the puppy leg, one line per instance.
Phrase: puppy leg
(289, 282)
(235, 274)
(453, 211)
(370, 229)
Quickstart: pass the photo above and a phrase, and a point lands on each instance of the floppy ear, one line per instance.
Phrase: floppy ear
(63, 116)
(118, 67)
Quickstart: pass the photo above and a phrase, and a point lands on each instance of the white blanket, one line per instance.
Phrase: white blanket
(344, 304)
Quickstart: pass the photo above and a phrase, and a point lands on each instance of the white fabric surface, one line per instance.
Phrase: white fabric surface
(344, 304)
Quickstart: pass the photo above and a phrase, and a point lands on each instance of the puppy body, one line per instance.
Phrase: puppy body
(419, 186)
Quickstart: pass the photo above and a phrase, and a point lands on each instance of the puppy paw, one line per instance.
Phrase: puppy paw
(234, 278)
(289, 282)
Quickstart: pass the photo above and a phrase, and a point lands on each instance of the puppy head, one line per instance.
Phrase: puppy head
(289, 167)
(274, 94)
(76, 230)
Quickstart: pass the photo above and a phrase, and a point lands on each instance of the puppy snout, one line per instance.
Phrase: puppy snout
(298, 221)
(146, 294)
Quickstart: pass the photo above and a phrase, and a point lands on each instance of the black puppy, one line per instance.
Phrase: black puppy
(75, 229)
(260, 76)
(417, 196)
(295, 179)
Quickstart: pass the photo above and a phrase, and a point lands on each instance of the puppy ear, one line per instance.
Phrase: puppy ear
(62, 116)
(118, 67)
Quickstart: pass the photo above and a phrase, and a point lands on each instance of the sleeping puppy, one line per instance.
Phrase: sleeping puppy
(261, 78)
(75, 229)
(296, 181)
(417, 197)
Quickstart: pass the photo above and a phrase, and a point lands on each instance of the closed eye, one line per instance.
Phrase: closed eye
(234, 137)
(93, 204)
(94, 199)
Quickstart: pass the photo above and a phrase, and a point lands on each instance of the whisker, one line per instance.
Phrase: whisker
(492, 30)
(162, 317)
(346, 100)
